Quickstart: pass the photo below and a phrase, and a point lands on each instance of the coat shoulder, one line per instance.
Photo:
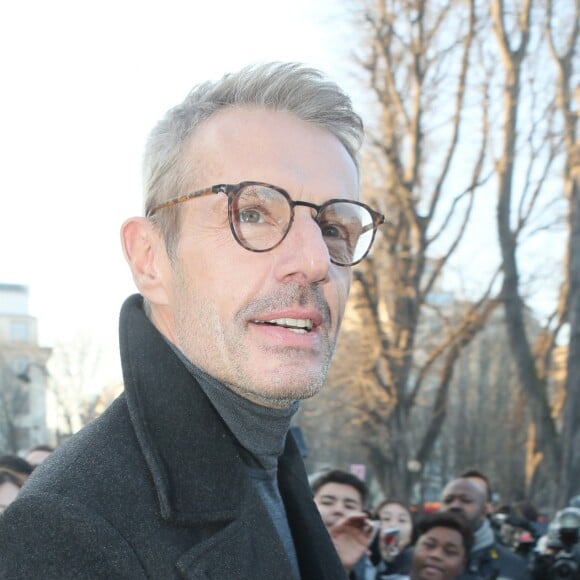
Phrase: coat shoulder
(64, 539)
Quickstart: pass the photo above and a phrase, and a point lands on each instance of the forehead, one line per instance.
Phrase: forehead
(339, 491)
(444, 535)
(393, 509)
(464, 488)
(254, 144)
(479, 481)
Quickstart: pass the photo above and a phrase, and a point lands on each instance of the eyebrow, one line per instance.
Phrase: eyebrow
(348, 500)
(461, 496)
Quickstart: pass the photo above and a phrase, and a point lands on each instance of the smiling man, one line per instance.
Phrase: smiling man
(243, 265)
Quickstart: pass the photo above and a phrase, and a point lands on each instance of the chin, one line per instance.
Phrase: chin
(277, 394)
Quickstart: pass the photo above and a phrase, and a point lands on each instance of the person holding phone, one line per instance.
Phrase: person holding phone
(340, 497)
(396, 528)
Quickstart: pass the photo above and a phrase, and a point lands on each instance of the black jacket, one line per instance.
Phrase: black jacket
(155, 487)
(495, 562)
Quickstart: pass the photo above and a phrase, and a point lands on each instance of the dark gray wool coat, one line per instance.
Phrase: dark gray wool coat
(154, 488)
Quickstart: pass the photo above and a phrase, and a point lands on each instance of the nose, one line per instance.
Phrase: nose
(436, 554)
(303, 253)
(456, 507)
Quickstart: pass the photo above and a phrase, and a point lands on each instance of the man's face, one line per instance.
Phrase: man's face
(484, 485)
(464, 497)
(337, 500)
(230, 310)
(439, 555)
(394, 515)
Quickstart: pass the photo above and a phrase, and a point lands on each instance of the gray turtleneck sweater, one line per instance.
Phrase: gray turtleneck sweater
(261, 433)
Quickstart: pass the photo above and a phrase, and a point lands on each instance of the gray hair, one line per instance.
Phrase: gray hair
(289, 87)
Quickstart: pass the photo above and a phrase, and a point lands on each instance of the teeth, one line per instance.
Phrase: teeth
(294, 324)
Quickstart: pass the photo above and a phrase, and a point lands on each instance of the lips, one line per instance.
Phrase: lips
(431, 571)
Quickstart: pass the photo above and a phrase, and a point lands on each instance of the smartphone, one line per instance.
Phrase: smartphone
(390, 538)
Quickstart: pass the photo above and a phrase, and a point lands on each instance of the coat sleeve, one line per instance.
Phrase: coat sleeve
(49, 537)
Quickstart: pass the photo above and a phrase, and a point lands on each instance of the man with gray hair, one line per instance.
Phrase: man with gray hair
(243, 265)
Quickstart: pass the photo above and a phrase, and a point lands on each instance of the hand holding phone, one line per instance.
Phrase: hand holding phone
(390, 540)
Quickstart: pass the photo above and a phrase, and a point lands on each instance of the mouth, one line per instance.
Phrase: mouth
(431, 570)
(296, 325)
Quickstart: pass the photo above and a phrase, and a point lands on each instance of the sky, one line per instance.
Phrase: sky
(82, 85)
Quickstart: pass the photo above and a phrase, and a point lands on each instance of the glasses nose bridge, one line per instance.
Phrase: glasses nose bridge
(317, 208)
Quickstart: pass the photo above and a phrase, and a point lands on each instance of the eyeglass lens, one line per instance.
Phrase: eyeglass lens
(261, 218)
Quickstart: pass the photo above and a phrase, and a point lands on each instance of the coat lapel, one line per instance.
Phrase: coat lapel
(197, 469)
(316, 553)
(193, 458)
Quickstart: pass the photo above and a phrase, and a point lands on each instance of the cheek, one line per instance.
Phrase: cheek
(227, 275)
(418, 557)
(455, 564)
(340, 288)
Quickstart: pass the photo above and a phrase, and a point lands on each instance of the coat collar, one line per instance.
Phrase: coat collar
(179, 431)
(181, 435)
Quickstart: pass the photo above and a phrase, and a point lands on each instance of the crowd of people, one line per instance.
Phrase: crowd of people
(468, 538)
(15, 470)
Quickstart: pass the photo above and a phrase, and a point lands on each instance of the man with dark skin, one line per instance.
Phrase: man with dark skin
(488, 559)
(481, 479)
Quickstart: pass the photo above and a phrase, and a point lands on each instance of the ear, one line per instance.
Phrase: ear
(145, 253)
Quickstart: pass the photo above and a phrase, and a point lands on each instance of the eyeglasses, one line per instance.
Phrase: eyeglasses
(261, 215)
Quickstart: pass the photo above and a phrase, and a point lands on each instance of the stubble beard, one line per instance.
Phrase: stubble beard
(213, 343)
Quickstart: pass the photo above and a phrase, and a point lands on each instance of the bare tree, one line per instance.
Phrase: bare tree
(534, 135)
(13, 402)
(420, 66)
(563, 49)
(451, 124)
(74, 382)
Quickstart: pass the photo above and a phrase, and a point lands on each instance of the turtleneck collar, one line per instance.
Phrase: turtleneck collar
(260, 430)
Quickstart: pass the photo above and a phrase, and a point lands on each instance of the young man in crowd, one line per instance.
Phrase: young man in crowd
(340, 497)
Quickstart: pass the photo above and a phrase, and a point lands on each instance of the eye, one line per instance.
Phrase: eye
(335, 231)
(251, 216)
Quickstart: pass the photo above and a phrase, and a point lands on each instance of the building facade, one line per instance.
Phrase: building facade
(23, 374)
